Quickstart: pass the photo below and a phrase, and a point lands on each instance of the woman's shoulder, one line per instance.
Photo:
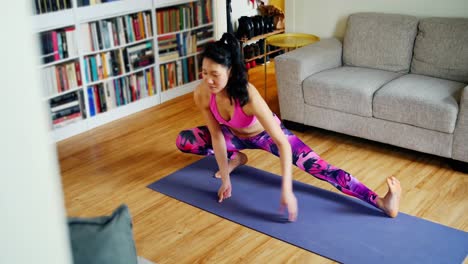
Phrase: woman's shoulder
(255, 102)
(201, 96)
(253, 92)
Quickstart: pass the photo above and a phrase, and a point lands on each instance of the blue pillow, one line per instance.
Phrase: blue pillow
(103, 240)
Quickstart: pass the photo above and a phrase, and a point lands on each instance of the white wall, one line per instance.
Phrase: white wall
(220, 18)
(327, 18)
(239, 8)
(33, 228)
(243, 8)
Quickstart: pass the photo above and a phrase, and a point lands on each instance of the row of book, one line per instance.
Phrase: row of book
(178, 73)
(46, 6)
(93, 2)
(61, 78)
(117, 62)
(115, 32)
(67, 108)
(58, 44)
(173, 19)
(172, 46)
(204, 34)
(121, 91)
(204, 12)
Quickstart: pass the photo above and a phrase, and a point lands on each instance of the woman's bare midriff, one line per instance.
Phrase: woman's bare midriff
(248, 132)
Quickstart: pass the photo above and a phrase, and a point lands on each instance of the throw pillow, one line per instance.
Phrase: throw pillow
(103, 240)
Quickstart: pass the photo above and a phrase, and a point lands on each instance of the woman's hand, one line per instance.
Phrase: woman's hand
(289, 201)
(225, 190)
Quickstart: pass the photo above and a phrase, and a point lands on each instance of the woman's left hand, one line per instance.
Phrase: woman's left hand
(225, 190)
(289, 201)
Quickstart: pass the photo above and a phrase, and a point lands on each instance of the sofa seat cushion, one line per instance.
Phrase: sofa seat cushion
(346, 89)
(441, 48)
(380, 41)
(420, 101)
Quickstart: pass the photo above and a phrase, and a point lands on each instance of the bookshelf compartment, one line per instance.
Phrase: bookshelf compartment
(58, 44)
(121, 91)
(178, 73)
(61, 78)
(102, 66)
(66, 109)
(47, 7)
(116, 32)
(182, 17)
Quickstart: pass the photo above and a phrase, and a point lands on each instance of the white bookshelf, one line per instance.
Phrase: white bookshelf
(178, 91)
(77, 17)
(123, 111)
(53, 20)
(111, 9)
(70, 130)
(167, 3)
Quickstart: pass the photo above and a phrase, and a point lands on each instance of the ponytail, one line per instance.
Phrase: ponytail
(227, 52)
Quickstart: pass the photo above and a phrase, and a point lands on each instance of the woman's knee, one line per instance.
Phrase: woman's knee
(185, 140)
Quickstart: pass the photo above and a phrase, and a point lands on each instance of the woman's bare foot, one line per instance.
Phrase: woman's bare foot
(390, 204)
(239, 160)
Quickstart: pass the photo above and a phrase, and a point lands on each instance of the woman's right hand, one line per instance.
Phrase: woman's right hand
(289, 201)
(225, 190)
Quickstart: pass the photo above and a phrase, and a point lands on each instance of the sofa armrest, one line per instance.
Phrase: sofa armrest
(293, 67)
(460, 135)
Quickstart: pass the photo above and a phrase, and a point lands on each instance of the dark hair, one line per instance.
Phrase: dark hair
(226, 52)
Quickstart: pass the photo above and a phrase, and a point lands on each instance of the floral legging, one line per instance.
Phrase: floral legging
(198, 141)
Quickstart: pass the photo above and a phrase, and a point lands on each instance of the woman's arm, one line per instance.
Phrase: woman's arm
(217, 138)
(260, 109)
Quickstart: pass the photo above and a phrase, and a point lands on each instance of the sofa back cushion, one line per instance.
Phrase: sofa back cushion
(441, 49)
(380, 41)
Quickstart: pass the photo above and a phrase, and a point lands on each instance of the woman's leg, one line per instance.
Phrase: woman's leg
(309, 161)
(198, 141)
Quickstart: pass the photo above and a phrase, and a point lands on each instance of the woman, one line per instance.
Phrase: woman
(238, 118)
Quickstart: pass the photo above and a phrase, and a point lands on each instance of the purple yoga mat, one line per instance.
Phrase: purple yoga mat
(335, 226)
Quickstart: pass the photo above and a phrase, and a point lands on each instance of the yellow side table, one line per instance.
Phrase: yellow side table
(287, 41)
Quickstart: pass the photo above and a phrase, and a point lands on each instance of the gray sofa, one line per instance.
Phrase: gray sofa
(395, 79)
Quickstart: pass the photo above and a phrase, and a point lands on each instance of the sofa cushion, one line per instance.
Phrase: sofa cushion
(380, 41)
(441, 49)
(104, 239)
(421, 101)
(346, 89)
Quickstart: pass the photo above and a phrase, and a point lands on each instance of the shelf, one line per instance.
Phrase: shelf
(202, 42)
(62, 93)
(112, 9)
(57, 62)
(120, 76)
(178, 91)
(261, 56)
(122, 111)
(259, 37)
(166, 3)
(185, 30)
(69, 130)
(161, 62)
(53, 20)
(90, 53)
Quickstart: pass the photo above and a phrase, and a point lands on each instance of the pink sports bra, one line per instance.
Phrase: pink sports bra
(239, 118)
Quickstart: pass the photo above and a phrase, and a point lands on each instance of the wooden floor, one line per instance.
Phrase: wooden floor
(113, 164)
